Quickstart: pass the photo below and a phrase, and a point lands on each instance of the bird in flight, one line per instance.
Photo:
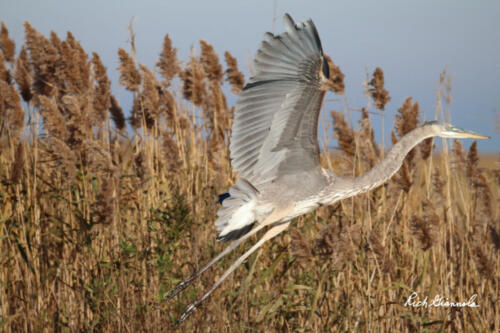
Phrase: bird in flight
(274, 148)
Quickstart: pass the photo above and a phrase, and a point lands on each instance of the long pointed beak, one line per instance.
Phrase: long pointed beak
(473, 135)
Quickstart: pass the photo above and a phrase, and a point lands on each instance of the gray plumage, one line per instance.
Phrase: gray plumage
(274, 148)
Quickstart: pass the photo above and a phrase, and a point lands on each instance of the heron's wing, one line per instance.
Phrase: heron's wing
(276, 117)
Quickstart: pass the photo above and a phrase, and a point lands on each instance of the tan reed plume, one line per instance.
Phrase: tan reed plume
(193, 78)
(210, 61)
(168, 64)
(343, 133)
(130, 77)
(379, 94)
(7, 45)
(23, 75)
(233, 75)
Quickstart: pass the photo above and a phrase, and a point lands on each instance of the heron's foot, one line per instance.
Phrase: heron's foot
(179, 287)
(188, 311)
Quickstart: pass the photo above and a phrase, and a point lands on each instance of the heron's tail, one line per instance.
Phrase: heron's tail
(236, 217)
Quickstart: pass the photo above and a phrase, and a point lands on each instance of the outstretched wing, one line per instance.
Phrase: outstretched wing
(276, 117)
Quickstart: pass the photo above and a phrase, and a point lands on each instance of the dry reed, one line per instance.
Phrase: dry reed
(96, 226)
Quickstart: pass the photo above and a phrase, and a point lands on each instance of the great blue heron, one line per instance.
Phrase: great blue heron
(274, 148)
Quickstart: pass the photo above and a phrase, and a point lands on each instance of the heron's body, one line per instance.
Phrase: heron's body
(275, 151)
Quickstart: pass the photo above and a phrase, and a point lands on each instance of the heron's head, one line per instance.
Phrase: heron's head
(450, 131)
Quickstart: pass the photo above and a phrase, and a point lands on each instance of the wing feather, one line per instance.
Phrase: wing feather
(276, 116)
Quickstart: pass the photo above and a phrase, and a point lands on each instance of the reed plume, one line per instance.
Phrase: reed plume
(472, 161)
(343, 133)
(458, 155)
(17, 168)
(424, 226)
(233, 75)
(130, 77)
(406, 121)
(342, 245)
(148, 100)
(168, 64)
(368, 146)
(7, 45)
(299, 247)
(44, 59)
(210, 62)
(23, 75)
(193, 78)
(171, 153)
(102, 93)
(4, 70)
(379, 94)
(11, 111)
(53, 121)
(116, 113)
(103, 209)
(426, 148)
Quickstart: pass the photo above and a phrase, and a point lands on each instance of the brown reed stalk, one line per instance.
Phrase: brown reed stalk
(11, 111)
(23, 75)
(167, 107)
(53, 121)
(116, 113)
(56, 41)
(130, 77)
(233, 75)
(299, 247)
(404, 177)
(426, 148)
(368, 147)
(483, 263)
(485, 197)
(193, 78)
(44, 59)
(171, 153)
(406, 121)
(458, 156)
(407, 117)
(102, 92)
(17, 166)
(4, 70)
(386, 264)
(210, 62)
(394, 138)
(424, 226)
(336, 81)
(344, 134)
(494, 236)
(103, 209)
(77, 111)
(472, 162)
(149, 97)
(76, 66)
(66, 161)
(168, 64)
(341, 245)
(7, 45)
(377, 91)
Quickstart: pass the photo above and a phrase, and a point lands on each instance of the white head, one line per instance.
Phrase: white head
(449, 131)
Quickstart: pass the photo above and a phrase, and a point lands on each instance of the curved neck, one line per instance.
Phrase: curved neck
(381, 172)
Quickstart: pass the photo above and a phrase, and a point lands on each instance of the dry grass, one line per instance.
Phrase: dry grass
(96, 226)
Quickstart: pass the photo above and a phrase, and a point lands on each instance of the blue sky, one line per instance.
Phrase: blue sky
(411, 41)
